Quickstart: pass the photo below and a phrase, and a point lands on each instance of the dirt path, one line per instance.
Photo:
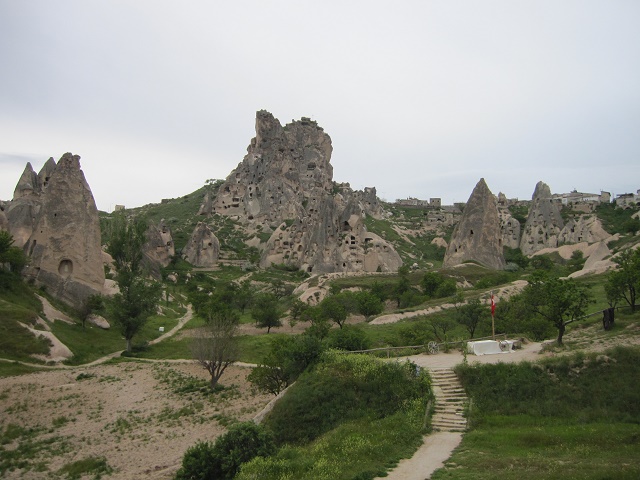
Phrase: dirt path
(502, 293)
(439, 446)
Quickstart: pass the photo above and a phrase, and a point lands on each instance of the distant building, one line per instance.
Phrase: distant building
(626, 200)
(118, 208)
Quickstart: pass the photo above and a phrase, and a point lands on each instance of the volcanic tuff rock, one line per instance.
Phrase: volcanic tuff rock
(544, 222)
(509, 229)
(203, 248)
(477, 236)
(159, 247)
(285, 186)
(64, 244)
(586, 228)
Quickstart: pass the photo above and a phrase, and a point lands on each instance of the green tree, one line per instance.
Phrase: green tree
(559, 301)
(576, 262)
(624, 282)
(93, 305)
(338, 307)
(440, 325)
(138, 297)
(11, 255)
(402, 286)
(266, 311)
(288, 358)
(471, 314)
(215, 348)
(430, 283)
(368, 304)
(222, 460)
(632, 226)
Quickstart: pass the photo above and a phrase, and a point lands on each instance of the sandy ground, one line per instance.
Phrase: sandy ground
(128, 413)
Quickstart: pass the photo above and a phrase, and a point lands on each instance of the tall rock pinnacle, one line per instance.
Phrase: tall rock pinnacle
(478, 236)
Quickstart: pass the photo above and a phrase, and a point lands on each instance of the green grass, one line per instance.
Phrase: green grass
(570, 417)
(96, 466)
(546, 450)
(14, 369)
(352, 416)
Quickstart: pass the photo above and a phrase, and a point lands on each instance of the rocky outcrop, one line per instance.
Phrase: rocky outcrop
(585, 228)
(203, 248)
(159, 248)
(285, 186)
(544, 222)
(206, 208)
(477, 237)
(60, 220)
(509, 229)
(4, 223)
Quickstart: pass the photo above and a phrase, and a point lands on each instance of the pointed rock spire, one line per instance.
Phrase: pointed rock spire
(477, 237)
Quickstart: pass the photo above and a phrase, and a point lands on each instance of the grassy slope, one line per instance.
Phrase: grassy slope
(568, 417)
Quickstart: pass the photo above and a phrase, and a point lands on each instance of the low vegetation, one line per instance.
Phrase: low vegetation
(575, 416)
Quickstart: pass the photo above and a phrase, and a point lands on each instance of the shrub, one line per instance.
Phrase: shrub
(222, 460)
(342, 388)
(349, 338)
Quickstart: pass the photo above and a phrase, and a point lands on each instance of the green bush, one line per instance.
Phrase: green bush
(588, 388)
(222, 460)
(348, 338)
(342, 388)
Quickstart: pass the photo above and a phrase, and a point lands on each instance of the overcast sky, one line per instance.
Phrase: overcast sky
(420, 98)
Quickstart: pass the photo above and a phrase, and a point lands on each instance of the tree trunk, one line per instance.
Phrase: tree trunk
(561, 330)
(128, 345)
(213, 383)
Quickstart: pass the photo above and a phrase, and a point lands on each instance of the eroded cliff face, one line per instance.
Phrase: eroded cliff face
(477, 237)
(285, 186)
(544, 222)
(64, 242)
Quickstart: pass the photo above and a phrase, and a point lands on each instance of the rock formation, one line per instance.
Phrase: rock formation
(477, 236)
(54, 216)
(159, 248)
(544, 222)
(284, 186)
(509, 229)
(203, 248)
(207, 205)
(4, 223)
(585, 228)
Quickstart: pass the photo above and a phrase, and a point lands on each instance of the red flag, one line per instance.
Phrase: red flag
(493, 306)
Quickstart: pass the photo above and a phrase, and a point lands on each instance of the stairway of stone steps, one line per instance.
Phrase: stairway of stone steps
(450, 401)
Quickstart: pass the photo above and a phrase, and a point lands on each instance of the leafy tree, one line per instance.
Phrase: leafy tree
(288, 358)
(138, 297)
(14, 256)
(215, 348)
(244, 295)
(576, 262)
(541, 262)
(380, 290)
(222, 460)
(430, 283)
(338, 307)
(471, 314)
(440, 325)
(447, 288)
(559, 301)
(297, 308)
(632, 226)
(348, 338)
(94, 304)
(402, 285)
(624, 282)
(266, 311)
(368, 304)
(515, 255)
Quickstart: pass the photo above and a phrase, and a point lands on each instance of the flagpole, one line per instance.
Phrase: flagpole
(493, 322)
